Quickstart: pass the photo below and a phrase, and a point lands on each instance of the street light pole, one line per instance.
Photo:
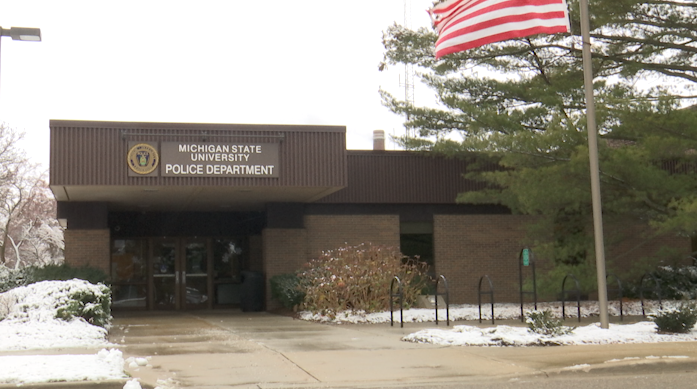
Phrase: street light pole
(28, 34)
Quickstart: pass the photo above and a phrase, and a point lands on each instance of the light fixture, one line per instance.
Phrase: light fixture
(22, 33)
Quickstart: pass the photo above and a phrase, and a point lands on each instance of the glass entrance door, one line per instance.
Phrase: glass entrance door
(195, 277)
(180, 275)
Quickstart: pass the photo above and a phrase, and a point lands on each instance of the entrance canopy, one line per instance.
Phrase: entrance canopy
(194, 167)
(188, 198)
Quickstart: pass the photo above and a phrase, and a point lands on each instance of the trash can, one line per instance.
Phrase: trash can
(252, 291)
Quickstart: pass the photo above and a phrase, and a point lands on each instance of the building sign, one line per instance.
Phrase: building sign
(191, 159)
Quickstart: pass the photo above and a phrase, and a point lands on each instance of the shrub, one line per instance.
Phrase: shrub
(285, 288)
(674, 283)
(65, 272)
(679, 319)
(64, 300)
(544, 323)
(93, 306)
(10, 278)
(677, 283)
(358, 278)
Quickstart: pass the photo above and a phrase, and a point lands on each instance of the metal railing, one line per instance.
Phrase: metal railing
(447, 299)
(619, 292)
(490, 293)
(400, 295)
(578, 296)
(656, 290)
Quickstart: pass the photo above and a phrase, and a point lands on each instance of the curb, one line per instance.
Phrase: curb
(106, 384)
(631, 367)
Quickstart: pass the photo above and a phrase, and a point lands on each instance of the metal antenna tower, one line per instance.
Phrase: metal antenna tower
(408, 82)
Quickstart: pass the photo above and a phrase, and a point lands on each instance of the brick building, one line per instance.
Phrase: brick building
(179, 214)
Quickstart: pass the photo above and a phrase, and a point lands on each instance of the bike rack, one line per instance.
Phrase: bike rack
(618, 290)
(578, 296)
(447, 299)
(656, 290)
(490, 293)
(400, 294)
(531, 262)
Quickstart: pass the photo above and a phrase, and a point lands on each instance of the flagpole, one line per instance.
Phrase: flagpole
(594, 168)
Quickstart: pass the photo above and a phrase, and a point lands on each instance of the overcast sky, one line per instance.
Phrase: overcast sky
(272, 61)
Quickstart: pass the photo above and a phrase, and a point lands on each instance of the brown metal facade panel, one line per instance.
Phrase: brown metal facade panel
(301, 161)
(389, 177)
(94, 153)
(80, 155)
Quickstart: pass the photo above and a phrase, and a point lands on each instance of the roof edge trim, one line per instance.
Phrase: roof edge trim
(194, 126)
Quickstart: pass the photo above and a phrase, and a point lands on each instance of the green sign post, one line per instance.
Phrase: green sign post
(526, 257)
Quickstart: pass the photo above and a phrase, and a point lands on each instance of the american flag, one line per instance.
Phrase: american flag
(465, 24)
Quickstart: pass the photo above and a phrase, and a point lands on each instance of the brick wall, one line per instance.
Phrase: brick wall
(327, 232)
(468, 247)
(286, 250)
(88, 247)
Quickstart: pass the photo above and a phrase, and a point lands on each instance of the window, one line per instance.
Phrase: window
(416, 240)
(129, 273)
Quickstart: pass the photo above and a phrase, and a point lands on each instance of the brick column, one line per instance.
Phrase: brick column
(284, 251)
(88, 248)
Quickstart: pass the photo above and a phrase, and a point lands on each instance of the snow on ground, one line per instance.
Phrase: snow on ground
(28, 315)
(29, 335)
(503, 335)
(471, 312)
(27, 369)
(462, 335)
(28, 322)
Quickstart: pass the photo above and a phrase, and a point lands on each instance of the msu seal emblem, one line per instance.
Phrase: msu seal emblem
(143, 158)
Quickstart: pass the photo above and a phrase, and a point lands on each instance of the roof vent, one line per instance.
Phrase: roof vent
(379, 140)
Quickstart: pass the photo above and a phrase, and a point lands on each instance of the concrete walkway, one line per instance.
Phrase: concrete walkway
(231, 349)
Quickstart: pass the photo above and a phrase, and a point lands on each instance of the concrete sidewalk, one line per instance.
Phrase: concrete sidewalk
(228, 349)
